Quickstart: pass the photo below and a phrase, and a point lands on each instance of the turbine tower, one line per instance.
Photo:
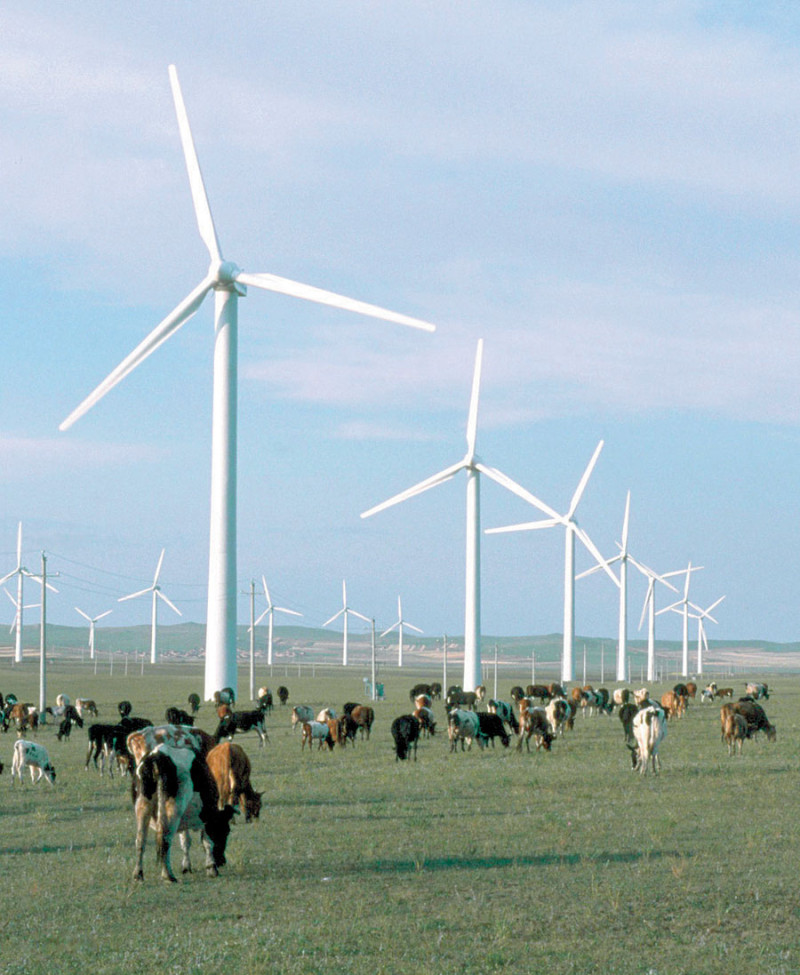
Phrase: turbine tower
(474, 467)
(573, 531)
(702, 642)
(399, 624)
(682, 606)
(20, 572)
(649, 609)
(270, 612)
(229, 283)
(344, 612)
(155, 589)
(92, 620)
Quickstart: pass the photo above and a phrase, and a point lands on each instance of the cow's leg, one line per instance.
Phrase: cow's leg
(208, 846)
(186, 844)
(144, 811)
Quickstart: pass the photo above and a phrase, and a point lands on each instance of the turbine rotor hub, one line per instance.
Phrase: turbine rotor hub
(225, 273)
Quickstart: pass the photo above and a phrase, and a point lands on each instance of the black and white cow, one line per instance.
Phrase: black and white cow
(463, 726)
(242, 721)
(32, 755)
(506, 713)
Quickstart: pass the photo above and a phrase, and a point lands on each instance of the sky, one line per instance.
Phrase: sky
(605, 192)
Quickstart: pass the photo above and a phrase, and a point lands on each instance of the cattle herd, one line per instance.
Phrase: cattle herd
(184, 779)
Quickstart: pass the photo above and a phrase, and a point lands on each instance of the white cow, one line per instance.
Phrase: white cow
(32, 755)
(649, 730)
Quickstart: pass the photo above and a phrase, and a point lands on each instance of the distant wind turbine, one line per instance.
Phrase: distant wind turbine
(649, 609)
(20, 572)
(474, 467)
(270, 612)
(229, 283)
(15, 621)
(682, 607)
(398, 625)
(344, 612)
(155, 589)
(573, 531)
(92, 620)
(702, 642)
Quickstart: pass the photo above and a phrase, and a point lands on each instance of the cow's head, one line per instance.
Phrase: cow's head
(218, 828)
(252, 806)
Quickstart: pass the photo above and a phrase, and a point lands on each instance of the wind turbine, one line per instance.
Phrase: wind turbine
(682, 606)
(92, 620)
(573, 531)
(474, 467)
(649, 608)
(20, 572)
(229, 283)
(15, 621)
(344, 612)
(155, 589)
(702, 642)
(399, 624)
(270, 611)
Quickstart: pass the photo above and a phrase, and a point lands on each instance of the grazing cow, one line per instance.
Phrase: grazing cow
(363, 715)
(146, 739)
(178, 716)
(606, 700)
(230, 767)
(670, 704)
(516, 694)
(194, 702)
(491, 726)
(283, 694)
(243, 721)
(506, 712)
(124, 708)
(649, 730)
(25, 717)
(594, 701)
(348, 730)
(557, 712)
(86, 706)
(427, 723)
(457, 698)
(418, 689)
(708, 693)
(265, 699)
(423, 701)
(326, 714)
(104, 740)
(691, 689)
(174, 792)
(405, 732)
(557, 690)
(724, 692)
(627, 713)
(62, 700)
(755, 716)
(539, 691)
(641, 696)
(464, 726)
(69, 717)
(734, 729)
(621, 696)
(757, 691)
(535, 725)
(301, 713)
(316, 731)
(436, 690)
(32, 755)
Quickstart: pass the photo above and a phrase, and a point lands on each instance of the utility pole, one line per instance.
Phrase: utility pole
(43, 643)
(374, 688)
(252, 640)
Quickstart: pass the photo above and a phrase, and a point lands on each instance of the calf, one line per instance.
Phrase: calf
(734, 731)
(649, 730)
(230, 767)
(32, 755)
(405, 732)
(174, 792)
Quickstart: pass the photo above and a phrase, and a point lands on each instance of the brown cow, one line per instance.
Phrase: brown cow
(534, 724)
(230, 767)
(755, 716)
(363, 715)
(724, 692)
(427, 725)
(734, 729)
(670, 702)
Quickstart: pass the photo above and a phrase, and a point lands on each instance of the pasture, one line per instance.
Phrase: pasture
(493, 861)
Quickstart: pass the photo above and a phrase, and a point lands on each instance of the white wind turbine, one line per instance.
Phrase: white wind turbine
(344, 612)
(474, 467)
(399, 624)
(270, 612)
(649, 609)
(20, 572)
(92, 620)
(155, 589)
(15, 621)
(702, 642)
(682, 606)
(573, 531)
(229, 283)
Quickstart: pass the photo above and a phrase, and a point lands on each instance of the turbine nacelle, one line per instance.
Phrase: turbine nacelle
(224, 275)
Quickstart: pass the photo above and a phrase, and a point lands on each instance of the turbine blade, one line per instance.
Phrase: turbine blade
(392, 627)
(133, 595)
(576, 497)
(180, 314)
(282, 609)
(283, 286)
(472, 416)
(84, 615)
(626, 523)
(525, 526)
(334, 617)
(205, 222)
(713, 606)
(588, 543)
(108, 612)
(410, 626)
(168, 601)
(13, 601)
(361, 616)
(429, 482)
(598, 567)
(261, 617)
(266, 592)
(158, 567)
(8, 575)
(505, 481)
(650, 587)
(666, 609)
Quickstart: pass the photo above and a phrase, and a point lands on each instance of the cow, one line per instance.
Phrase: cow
(506, 712)
(86, 706)
(423, 701)
(649, 730)
(427, 723)
(557, 711)
(757, 691)
(456, 698)
(516, 694)
(25, 717)
(724, 692)
(464, 726)
(436, 690)
(755, 716)
(105, 740)
(32, 755)
(539, 691)
(230, 767)
(627, 713)
(193, 701)
(283, 694)
(301, 713)
(670, 702)
(242, 721)
(143, 740)
(620, 696)
(226, 696)
(734, 730)
(480, 693)
(124, 708)
(363, 715)
(348, 730)
(491, 726)
(62, 700)
(69, 717)
(316, 731)
(708, 693)
(174, 792)
(265, 699)
(178, 716)
(326, 714)
(405, 732)
(418, 689)
(535, 725)
(691, 689)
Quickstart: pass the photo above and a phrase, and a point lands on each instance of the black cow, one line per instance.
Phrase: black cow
(283, 694)
(418, 689)
(492, 727)
(405, 731)
(69, 717)
(506, 712)
(243, 721)
(194, 702)
(461, 699)
(178, 716)
(124, 708)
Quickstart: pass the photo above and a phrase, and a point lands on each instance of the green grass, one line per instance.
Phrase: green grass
(488, 861)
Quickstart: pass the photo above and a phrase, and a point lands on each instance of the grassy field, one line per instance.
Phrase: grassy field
(491, 861)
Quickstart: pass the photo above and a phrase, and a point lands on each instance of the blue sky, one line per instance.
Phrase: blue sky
(606, 192)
